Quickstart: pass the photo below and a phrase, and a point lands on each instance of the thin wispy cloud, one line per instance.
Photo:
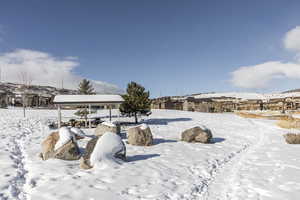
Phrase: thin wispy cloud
(41, 68)
(261, 75)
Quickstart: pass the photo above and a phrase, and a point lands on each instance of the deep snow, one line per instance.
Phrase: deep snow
(248, 160)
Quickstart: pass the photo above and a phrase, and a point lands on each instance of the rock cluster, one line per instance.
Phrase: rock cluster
(107, 146)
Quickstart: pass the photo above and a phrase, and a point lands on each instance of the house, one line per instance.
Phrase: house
(167, 103)
(198, 105)
(3, 99)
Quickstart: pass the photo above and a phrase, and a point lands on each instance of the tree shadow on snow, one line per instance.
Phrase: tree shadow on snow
(161, 140)
(217, 140)
(164, 121)
(141, 157)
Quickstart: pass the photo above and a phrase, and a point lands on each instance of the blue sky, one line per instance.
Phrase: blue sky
(170, 47)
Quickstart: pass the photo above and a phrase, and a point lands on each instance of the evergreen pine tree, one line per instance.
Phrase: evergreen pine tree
(135, 101)
(85, 87)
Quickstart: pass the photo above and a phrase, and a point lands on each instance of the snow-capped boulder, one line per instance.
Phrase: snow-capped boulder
(106, 150)
(140, 135)
(197, 134)
(60, 145)
(107, 127)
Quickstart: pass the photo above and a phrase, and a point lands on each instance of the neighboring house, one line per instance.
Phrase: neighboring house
(226, 104)
(167, 103)
(3, 99)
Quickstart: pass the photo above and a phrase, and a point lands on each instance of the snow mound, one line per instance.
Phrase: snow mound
(106, 147)
(65, 135)
(109, 124)
(78, 131)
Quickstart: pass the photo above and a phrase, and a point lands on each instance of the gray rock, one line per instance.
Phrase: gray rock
(69, 151)
(292, 138)
(197, 134)
(140, 136)
(103, 128)
(85, 159)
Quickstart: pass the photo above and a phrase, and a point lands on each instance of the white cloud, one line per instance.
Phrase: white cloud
(292, 39)
(44, 69)
(261, 75)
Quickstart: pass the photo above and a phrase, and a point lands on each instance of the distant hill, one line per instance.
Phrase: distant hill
(13, 88)
(290, 91)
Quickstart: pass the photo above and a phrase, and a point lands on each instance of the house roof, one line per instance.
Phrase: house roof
(106, 99)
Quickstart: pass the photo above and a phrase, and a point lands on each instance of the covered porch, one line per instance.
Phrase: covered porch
(86, 101)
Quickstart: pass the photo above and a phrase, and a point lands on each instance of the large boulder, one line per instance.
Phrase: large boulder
(48, 146)
(106, 149)
(140, 135)
(197, 134)
(107, 127)
(61, 145)
(85, 159)
(292, 138)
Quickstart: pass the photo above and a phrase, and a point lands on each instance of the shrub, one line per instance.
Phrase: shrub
(289, 123)
(260, 116)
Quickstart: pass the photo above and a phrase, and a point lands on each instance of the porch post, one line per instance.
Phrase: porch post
(110, 113)
(86, 118)
(90, 121)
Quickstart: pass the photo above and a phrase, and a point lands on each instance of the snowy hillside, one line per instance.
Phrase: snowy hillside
(242, 95)
(249, 159)
(100, 88)
(35, 89)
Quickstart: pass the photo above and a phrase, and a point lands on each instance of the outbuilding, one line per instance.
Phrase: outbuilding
(87, 101)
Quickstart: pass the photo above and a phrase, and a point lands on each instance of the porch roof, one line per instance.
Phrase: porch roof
(101, 99)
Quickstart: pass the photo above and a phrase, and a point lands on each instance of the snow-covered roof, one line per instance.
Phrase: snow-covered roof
(88, 99)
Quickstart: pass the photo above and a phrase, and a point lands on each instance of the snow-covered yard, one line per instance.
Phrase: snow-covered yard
(248, 160)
